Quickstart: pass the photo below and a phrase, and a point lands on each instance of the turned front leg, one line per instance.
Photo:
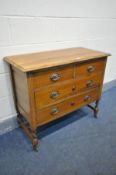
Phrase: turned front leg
(35, 141)
(31, 133)
(96, 108)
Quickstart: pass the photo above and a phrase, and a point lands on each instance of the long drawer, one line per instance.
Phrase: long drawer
(52, 94)
(71, 104)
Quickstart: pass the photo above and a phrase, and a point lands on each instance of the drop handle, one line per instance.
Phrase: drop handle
(55, 77)
(90, 68)
(89, 83)
(87, 98)
(54, 94)
(54, 111)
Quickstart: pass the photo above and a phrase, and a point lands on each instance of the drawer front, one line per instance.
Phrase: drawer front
(90, 68)
(69, 105)
(88, 83)
(52, 76)
(52, 94)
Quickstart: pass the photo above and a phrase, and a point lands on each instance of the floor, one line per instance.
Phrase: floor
(78, 144)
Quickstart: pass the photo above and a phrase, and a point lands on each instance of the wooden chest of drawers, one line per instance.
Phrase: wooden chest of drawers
(49, 85)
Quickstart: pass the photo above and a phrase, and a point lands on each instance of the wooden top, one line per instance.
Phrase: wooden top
(41, 60)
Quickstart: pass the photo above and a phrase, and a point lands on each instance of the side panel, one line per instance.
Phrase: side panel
(20, 86)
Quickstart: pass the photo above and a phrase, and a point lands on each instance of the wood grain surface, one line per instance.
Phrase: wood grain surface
(36, 61)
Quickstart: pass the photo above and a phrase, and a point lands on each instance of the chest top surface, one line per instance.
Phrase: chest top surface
(41, 60)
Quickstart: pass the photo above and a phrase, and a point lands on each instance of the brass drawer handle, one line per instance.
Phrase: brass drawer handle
(90, 69)
(89, 83)
(54, 111)
(55, 77)
(87, 98)
(54, 94)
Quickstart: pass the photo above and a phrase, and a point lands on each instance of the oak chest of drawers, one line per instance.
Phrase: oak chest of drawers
(49, 85)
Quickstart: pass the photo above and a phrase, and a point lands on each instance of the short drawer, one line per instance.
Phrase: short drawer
(52, 94)
(89, 68)
(69, 105)
(88, 83)
(52, 76)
